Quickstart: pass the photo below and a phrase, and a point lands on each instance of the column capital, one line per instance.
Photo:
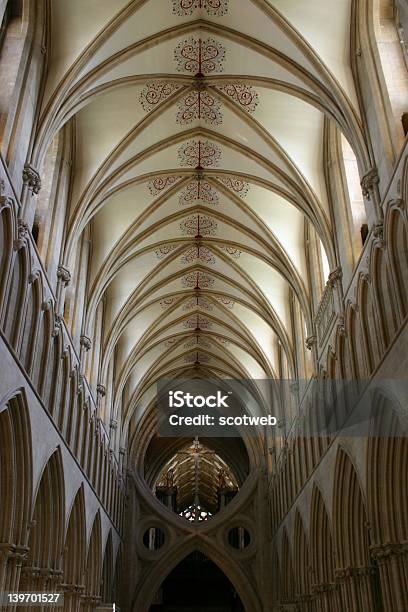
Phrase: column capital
(369, 181)
(310, 342)
(22, 234)
(85, 342)
(101, 389)
(335, 277)
(31, 178)
(64, 275)
(381, 551)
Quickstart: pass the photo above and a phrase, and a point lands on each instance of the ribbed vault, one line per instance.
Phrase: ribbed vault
(197, 132)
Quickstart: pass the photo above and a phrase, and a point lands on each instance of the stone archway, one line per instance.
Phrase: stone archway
(150, 584)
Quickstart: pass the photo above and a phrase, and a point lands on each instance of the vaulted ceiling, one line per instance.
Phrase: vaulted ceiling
(198, 159)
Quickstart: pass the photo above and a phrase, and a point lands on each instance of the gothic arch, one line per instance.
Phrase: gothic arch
(143, 596)
(387, 471)
(356, 573)
(93, 569)
(286, 573)
(107, 571)
(16, 468)
(75, 552)
(15, 485)
(42, 568)
(301, 556)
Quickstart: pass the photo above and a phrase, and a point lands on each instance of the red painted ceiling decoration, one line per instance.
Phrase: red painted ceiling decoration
(197, 357)
(225, 301)
(198, 253)
(244, 95)
(199, 190)
(197, 341)
(164, 250)
(197, 280)
(156, 92)
(199, 56)
(198, 302)
(237, 185)
(199, 105)
(198, 226)
(230, 250)
(199, 154)
(167, 302)
(162, 183)
(214, 8)
(197, 322)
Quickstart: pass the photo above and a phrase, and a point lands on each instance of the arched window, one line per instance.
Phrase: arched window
(358, 219)
(392, 47)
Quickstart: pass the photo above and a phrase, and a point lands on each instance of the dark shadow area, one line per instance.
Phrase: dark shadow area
(197, 585)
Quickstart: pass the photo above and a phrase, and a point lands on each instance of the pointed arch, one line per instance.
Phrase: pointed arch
(301, 560)
(107, 571)
(74, 549)
(15, 469)
(46, 536)
(93, 570)
(144, 594)
(349, 515)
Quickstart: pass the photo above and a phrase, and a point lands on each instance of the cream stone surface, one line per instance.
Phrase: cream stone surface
(204, 189)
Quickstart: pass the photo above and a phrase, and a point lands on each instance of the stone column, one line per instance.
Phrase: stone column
(31, 187)
(63, 280)
(89, 602)
(356, 585)
(371, 194)
(72, 596)
(392, 561)
(327, 597)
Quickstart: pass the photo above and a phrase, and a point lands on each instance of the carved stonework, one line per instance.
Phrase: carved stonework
(310, 342)
(31, 179)
(335, 277)
(64, 275)
(22, 234)
(369, 181)
(378, 234)
(382, 551)
(85, 342)
(113, 424)
(341, 326)
(101, 389)
(57, 325)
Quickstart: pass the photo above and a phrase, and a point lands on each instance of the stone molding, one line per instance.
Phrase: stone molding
(31, 179)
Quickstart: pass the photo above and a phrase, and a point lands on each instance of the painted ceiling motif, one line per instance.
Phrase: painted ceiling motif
(199, 191)
(196, 254)
(199, 154)
(156, 92)
(198, 322)
(161, 183)
(197, 280)
(200, 57)
(199, 105)
(214, 8)
(198, 226)
(201, 127)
